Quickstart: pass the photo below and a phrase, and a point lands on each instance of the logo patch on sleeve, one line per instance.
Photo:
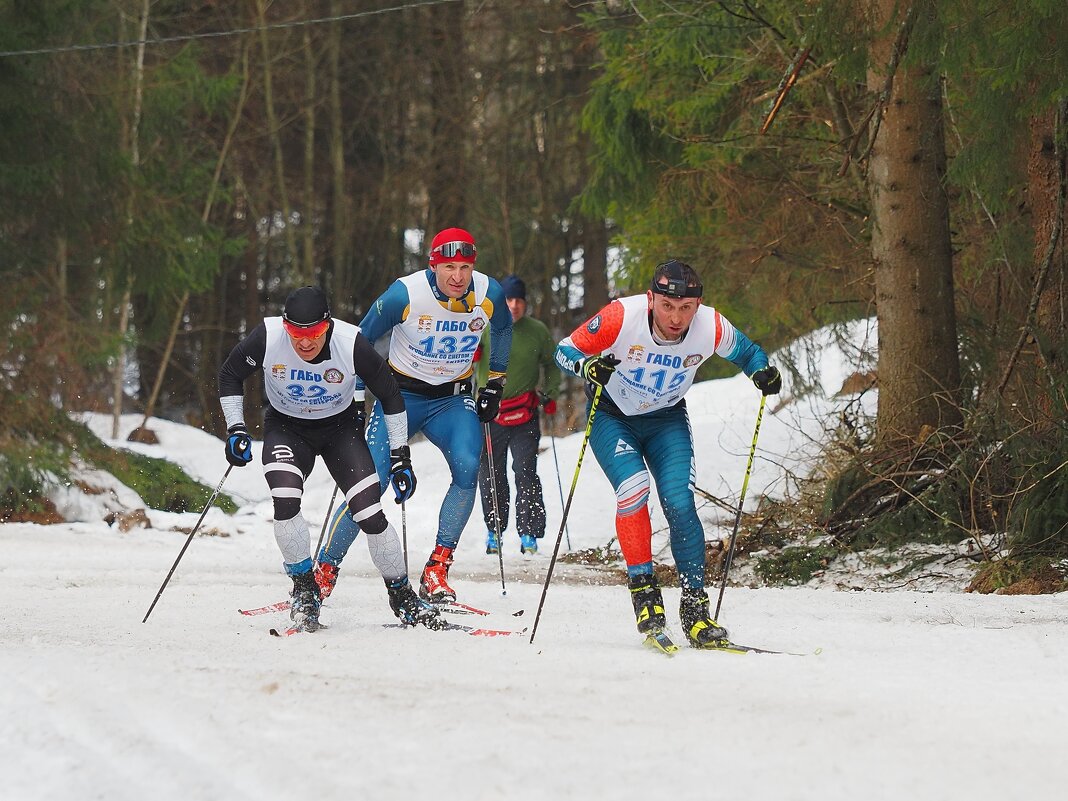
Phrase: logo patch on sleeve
(594, 325)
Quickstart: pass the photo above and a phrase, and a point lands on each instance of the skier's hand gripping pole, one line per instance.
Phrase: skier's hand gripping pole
(567, 507)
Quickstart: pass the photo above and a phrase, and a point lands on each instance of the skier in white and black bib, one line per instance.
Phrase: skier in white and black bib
(310, 365)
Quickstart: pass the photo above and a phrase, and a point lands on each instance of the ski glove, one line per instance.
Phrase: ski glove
(548, 404)
(401, 475)
(598, 369)
(238, 445)
(768, 380)
(489, 400)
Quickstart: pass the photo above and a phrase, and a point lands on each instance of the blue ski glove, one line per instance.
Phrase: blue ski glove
(401, 475)
(598, 369)
(768, 380)
(489, 400)
(238, 445)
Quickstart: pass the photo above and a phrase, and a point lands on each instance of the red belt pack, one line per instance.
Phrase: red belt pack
(518, 410)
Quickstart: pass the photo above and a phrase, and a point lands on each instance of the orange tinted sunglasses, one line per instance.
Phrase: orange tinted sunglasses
(313, 331)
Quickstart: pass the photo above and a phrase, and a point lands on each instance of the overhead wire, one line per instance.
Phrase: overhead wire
(219, 34)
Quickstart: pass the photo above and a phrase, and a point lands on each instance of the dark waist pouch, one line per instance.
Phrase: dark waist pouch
(409, 384)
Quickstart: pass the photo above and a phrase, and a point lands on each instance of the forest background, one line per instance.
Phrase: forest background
(169, 171)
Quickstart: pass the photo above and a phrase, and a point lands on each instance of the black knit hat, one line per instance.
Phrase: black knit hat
(514, 287)
(306, 306)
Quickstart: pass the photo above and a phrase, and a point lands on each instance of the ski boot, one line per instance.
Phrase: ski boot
(491, 542)
(326, 578)
(528, 545)
(434, 584)
(701, 630)
(410, 608)
(305, 602)
(648, 603)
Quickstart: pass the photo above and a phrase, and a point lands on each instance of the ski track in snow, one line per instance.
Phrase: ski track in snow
(914, 695)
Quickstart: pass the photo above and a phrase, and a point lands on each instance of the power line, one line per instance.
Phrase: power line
(220, 34)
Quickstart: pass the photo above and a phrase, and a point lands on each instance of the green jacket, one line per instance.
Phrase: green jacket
(532, 352)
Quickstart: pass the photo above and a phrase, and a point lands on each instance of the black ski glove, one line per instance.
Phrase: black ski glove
(401, 475)
(489, 400)
(238, 445)
(768, 380)
(598, 369)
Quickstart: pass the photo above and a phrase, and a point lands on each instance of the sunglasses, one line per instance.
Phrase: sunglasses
(452, 249)
(313, 331)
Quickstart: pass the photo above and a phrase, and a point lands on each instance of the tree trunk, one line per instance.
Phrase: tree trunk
(141, 434)
(594, 265)
(276, 138)
(1048, 331)
(451, 112)
(919, 365)
(339, 199)
(307, 226)
(119, 375)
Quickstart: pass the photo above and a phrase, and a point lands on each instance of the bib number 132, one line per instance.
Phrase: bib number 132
(445, 345)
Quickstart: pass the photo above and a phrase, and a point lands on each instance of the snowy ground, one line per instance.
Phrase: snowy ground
(913, 695)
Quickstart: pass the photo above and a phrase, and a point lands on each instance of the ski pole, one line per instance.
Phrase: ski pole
(559, 483)
(326, 520)
(188, 540)
(567, 508)
(404, 535)
(496, 508)
(741, 502)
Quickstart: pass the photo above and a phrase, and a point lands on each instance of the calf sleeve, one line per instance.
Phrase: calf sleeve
(635, 534)
(386, 553)
(633, 528)
(294, 542)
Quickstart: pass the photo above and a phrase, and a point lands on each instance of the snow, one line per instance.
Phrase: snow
(919, 695)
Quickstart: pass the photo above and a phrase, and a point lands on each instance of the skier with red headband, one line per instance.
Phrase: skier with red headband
(314, 368)
(643, 352)
(437, 317)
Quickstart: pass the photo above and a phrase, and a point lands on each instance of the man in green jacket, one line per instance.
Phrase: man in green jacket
(517, 429)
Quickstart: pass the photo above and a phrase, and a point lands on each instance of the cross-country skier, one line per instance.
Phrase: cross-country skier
(644, 352)
(311, 365)
(517, 429)
(436, 317)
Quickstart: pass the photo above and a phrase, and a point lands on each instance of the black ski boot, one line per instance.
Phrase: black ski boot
(648, 603)
(305, 602)
(701, 630)
(409, 608)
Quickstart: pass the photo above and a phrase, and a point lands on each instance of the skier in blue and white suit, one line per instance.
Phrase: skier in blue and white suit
(437, 318)
(641, 429)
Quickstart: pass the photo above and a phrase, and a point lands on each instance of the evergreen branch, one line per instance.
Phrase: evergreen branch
(789, 79)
